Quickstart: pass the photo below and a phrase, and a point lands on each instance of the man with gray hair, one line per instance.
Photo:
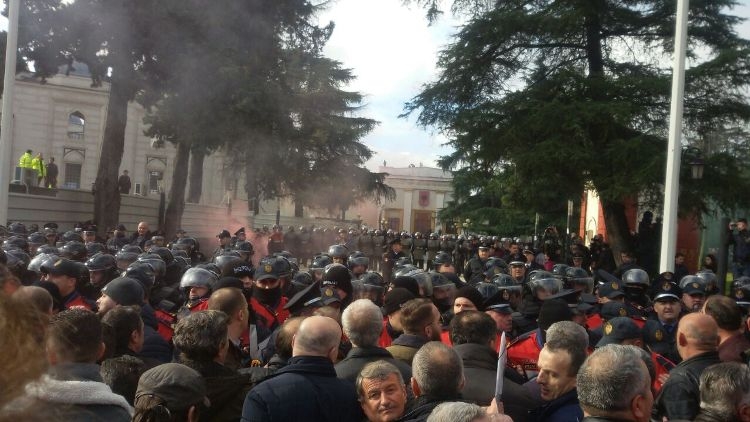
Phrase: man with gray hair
(614, 385)
(725, 393)
(363, 324)
(307, 389)
(437, 377)
(382, 392)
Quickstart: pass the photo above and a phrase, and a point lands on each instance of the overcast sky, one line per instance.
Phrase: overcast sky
(392, 50)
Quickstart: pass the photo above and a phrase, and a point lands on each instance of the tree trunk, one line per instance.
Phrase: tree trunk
(299, 210)
(618, 231)
(106, 191)
(176, 205)
(196, 176)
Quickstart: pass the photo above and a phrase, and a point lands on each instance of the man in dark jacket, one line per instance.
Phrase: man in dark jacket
(437, 377)
(362, 321)
(473, 334)
(623, 368)
(697, 342)
(307, 389)
(202, 339)
(420, 319)
(562, 355)
(73, 389)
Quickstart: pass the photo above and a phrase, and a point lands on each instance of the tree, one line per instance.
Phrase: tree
(552, 97)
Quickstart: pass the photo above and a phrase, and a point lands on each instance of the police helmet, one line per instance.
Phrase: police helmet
(132, 248)
(35, 265)
(74, 250)
(636, 277)
(198, 277)
(101, 262)
(17, 228)
(244, 247)
(71, 236)
(93, 248)
(442, 258)
(165, 254)
(48, 249)
(16, 242)
(338, 252)
(576, 276)
(160, 268)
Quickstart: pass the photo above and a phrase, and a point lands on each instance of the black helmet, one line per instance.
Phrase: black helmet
(551, 285)
(17, 228)
(93, 248)
(164, 253)
(185, 243)
(160, 268)
(35, 265)
(244, 247)
(198, 277)
(302, 280)
(125, 258)
(37, 239)
(132, 248)
(494, 266)
(16, 242)
(710, 280)
(74, 250)
(210, 266)
(142, 272)
(443, 258)
(227, 258)
(560, 271)
(17, 260)
(338, 251)
(487, 289)
(741, 291)
(320, 262)
(576, 276)
(505, 281)
(636, 277)
(48, 249)
(101, 262)
(373, 278)
(71, 236)
(404, 270)
(358, 258)
(402, 262)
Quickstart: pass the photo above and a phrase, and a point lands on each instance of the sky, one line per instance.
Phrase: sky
(392, 51)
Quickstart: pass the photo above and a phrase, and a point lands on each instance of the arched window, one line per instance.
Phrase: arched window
(76, 125)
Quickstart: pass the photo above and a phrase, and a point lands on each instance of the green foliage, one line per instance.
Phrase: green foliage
(545, 98)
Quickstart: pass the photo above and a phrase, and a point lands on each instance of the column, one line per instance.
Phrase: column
(407, 210)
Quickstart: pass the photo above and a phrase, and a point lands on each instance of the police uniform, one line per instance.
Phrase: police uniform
(523, 353)
(474, 271)
(419, 251)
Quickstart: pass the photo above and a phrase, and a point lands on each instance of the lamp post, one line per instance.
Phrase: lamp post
(672, 179)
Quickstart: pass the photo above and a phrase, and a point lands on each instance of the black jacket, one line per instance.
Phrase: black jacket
(305, 390)
(225, 388)
(419, 409)
(154, 345)
(358, 357)
(562, 409)
(480, 371)
(679, 397)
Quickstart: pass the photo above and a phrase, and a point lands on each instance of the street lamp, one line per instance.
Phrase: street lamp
(696, 162)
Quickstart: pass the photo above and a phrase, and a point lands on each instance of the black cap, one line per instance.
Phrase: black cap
(65, 267)
(121, 227)
(610, 290)
(667, 292)
(241, 230)
(553, 311)
(517, 257)
(176, 384)
(265, 271)
(619, 329)
(300, 299)
(224, 233)
(693, 288)
(614, 309)
(125, 291)
(395, 299)
(499, 302)
(572, 298)
(327, 296)
(472, 294)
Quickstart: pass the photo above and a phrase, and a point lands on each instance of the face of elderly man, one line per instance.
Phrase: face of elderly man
(383, 399)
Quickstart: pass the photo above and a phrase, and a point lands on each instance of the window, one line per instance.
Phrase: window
(72, 176)
(76, 125)
(154, 178)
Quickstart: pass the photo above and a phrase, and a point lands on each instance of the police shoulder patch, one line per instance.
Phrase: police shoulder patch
(615, 286)
(658, 335)
(623, 312)
(607, 328)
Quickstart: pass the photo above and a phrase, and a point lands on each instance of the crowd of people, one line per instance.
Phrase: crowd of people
(359, 325)
(35, 172)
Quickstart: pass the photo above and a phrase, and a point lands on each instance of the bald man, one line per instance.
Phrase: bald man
(697, 343)
(306, 389)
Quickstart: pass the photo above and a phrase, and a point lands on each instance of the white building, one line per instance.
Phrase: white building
(64, 118)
